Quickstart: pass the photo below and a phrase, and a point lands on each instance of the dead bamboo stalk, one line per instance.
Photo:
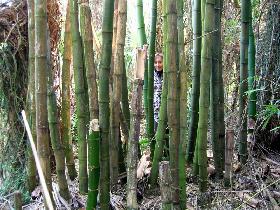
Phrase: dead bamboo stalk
(38, 164)
(228, 156)
(132, 153)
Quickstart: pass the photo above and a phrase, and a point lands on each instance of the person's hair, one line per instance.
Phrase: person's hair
(159, 55)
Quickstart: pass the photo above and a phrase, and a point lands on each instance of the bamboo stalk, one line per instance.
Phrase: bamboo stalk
(228, 156)
(93, 164)
(38, 164)
(196, 68)
(165, 182)
(150, 92)
(162, 123)
(183, 96)
(103, 99)
(65, 98)
(31, 106)
(244, 43)
(117, 89)
(18, 200)
(143, 41)
(81, 96)
(132, 154)
(41, 66)
(173, 96)
(206, 65)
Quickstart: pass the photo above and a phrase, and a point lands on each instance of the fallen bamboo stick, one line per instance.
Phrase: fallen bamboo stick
(38, 164)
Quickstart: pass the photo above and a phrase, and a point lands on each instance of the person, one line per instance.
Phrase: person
(158, 79)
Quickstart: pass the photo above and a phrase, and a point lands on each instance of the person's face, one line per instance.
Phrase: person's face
(158, 63)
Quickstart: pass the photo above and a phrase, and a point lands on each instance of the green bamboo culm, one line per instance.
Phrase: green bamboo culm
(173, 96)
(31, 107)
(251, 79)
(65, 98)
(183, 95)
(162, 122)
(117, 89)
(206, 66)
(150, 93)
(104, 110)
(197, 43)
(93, 138)
(141, 23)
(41, 66)
(202, 8)
(81, 97)
(196, 68)
(244, 43)
(221, 109)
(215, 87)
(56, 142)
(143, 41)
(93, 164)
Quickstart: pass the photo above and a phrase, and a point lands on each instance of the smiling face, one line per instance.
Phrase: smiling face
(158, 64)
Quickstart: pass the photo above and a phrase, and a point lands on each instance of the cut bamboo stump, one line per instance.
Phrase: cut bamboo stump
(165, 183)
(228, 156)
(18, 200)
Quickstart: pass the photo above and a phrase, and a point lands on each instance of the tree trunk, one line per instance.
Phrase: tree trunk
(104, 110)
(81, 97)
(65, 98)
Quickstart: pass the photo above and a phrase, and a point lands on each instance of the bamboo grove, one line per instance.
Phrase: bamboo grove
(108, 121)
